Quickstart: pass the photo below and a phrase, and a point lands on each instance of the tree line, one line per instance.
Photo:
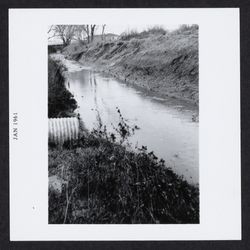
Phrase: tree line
(82, 33)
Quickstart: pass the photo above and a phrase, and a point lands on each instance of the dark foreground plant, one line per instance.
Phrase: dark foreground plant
(121, 132)
(60, 101)
(104, 182)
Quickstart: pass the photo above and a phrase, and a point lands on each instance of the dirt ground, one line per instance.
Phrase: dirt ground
(167, 65)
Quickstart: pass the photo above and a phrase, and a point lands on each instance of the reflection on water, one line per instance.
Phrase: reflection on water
(166, 127)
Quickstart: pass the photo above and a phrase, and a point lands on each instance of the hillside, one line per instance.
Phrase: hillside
(165, 63)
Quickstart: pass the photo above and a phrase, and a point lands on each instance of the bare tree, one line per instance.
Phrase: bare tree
(103, 28)
(87, 32)
(82, 33)
(92, 31)
(79, 32)
(64, 32)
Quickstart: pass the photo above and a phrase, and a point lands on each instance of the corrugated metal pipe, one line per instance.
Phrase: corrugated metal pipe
(63, 129)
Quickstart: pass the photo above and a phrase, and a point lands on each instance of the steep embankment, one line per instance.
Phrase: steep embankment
(166, 64)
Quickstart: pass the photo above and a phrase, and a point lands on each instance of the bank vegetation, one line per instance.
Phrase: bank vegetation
(100, 179)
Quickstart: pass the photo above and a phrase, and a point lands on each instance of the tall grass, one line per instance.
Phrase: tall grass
(185, 28)
(129, 34)
(105, 182)
(154, 30)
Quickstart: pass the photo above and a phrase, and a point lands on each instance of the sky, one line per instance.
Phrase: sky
(118, 29)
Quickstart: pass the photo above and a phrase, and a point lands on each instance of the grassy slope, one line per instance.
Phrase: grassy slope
(166, 64)
(109, 184)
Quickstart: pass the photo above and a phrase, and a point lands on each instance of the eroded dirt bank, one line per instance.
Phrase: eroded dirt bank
(165, 64)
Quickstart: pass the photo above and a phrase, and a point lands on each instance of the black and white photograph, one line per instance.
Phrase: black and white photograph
(123, 115)
(124, 124)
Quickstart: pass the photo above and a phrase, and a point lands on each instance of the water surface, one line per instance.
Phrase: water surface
(166, 126)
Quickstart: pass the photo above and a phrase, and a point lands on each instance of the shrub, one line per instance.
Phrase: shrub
(129, 34)
(60, 101)
(105, 182)
(155, 30)
(186, 28)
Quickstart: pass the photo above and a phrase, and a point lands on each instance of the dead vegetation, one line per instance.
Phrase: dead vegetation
(99, 180)
(161, 61)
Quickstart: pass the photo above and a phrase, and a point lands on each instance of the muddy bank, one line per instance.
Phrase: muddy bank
(166, 65)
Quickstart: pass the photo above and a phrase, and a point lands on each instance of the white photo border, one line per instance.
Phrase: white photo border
(219, 126)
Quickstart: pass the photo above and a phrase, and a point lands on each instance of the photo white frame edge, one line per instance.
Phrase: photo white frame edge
(219, 67)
